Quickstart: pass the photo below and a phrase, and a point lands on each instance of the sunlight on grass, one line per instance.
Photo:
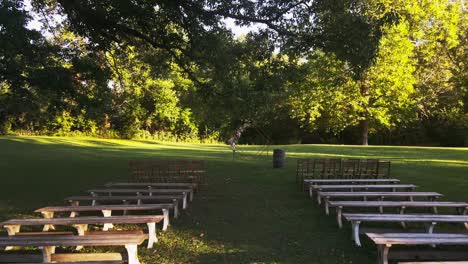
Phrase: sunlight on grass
(248, 213)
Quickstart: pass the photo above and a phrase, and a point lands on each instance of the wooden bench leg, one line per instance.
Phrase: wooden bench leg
(383, 254)
(176, 208)
(319, 197)
(12, 230)
(184, 201)
(381, 207)
(355, 233)
(126, 203)
(132, 252)
(430, 228)
(107, 213)
(339, 218)
(47, 253)
(152, 238)
(81, 229)
(191, 196)
(402, 211)
(48, 215)
(166, 219)
(311, 192)
(327, 206)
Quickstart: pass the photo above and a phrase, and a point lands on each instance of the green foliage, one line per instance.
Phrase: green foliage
(318, 71)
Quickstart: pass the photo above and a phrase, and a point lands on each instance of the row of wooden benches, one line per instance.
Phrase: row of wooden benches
(341, 168)
(328, 190)
(163, 197)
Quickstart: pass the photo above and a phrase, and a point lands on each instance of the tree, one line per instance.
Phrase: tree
(379, 41)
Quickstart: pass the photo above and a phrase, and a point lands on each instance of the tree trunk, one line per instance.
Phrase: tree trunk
(364, 124)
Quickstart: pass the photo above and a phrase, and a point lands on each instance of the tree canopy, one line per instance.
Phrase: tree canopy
(347, 71)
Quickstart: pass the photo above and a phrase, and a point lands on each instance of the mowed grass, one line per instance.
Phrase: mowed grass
(248, 213)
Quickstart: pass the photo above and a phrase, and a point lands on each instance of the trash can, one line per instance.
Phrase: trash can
(279, 158)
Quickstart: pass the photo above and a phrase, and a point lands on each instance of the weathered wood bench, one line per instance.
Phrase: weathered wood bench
(385, 241)
(193, 186)
(461, 207)
(49, 243)
(48, 212)
(13, 226)
(431, 220)
(326, 196)
(434, 262)
(75, 200)
(367, 187)
(150, 192)
(309, 182)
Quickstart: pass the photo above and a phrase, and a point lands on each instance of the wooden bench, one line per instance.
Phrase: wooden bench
(75, 200)
(13, 226)
(309, 182)
(385, 241)
(193, 186)
(48, 212)
(432, 220)
(326, 196)
(353, 187)
(48, 243)
(150, 192)
(461, 207)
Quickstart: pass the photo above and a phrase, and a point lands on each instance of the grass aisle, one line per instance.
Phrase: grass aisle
(249, 212)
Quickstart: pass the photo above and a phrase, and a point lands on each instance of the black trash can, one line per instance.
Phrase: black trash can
(279, 158)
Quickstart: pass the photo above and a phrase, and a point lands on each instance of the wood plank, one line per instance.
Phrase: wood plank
(131, 207)
(150, 184)
(406, 218)
(396, 204)
(73, 240)
(20, 258)
(408, 254)
(364, 186)
(418, 239)
(379, 194)
(434, 262)
(73, 257)
(127, 219)
(340, 181)
(125, 197)
(116, 190)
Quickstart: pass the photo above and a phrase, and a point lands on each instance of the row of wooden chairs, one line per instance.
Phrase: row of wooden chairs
(341, 169)
(162, 170)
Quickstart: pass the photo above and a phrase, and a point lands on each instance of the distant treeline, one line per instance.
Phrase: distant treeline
(341, 72)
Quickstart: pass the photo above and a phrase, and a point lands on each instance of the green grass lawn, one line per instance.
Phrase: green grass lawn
(249, 212)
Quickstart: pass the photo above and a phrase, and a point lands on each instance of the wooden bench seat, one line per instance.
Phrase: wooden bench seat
(140, 191)
(13, 226)
(193, 186)
(353, 187)
(462, 207)
(431, 220)
(434, 262)
(75, 200)
(309, 182)
(326, 196)
(48, 212)
(48, 243)
(385, 241)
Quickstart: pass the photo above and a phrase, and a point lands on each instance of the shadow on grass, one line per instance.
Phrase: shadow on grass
(248, 213)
